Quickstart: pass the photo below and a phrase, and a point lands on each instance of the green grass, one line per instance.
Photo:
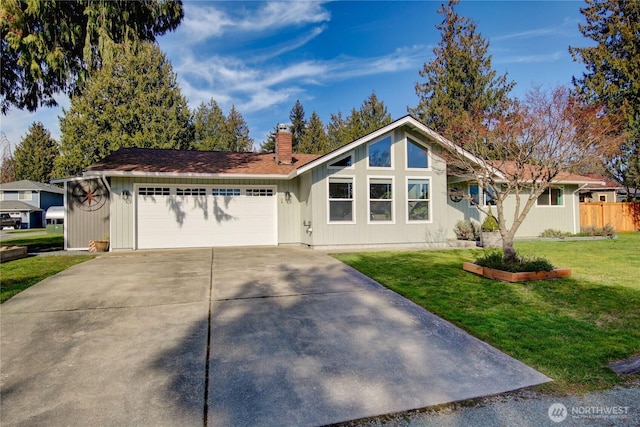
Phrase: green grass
(38, 242)
(568, 329)
(18, 275)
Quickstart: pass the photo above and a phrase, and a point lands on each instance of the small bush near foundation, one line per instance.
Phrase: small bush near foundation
(496, 261)
(608, 230)
(550, 232)
(466, 230)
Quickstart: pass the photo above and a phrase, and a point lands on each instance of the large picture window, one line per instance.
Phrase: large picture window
(380, 153)
(551, 197)
(417, 155)
(380, 199)
(418, 200)
(341, 200)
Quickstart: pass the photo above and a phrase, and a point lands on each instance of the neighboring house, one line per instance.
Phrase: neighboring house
(606, 190)
(387, 188)
(29, 200)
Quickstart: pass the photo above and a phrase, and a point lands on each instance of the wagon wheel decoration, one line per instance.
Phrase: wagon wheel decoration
(89, 195)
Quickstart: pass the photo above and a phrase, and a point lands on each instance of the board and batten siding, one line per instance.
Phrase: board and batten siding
(364, 232)
(564, 218)
(82, 225)
(123, 211)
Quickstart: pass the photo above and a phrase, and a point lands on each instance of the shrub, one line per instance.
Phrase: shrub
(490, 223)
(608, 230)
(466, 230)
(550, 232)
(496, 261)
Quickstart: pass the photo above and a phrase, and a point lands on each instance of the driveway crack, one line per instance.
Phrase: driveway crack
(206, 365)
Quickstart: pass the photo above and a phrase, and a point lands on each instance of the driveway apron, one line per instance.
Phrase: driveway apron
(231, 337)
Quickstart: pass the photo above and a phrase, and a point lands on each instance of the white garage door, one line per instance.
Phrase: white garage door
(188, 217)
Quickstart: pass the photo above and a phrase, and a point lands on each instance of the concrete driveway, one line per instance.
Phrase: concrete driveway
(231, 337)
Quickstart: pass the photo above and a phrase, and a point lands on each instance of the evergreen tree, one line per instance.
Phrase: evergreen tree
(460, 86)
(35, 155)
(7, 171)
(236, 132)
(47, 46)
(298, 124)
(133, 102)
(371, 116)
(612, 79)
(208, 124)
(269, 145)
(314, 139)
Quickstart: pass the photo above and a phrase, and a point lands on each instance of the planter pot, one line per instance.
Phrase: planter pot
(490, 239)
(98, 245)
(507, 276)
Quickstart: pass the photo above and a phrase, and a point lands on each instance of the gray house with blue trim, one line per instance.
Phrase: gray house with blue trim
(390, 187)
(29, 201)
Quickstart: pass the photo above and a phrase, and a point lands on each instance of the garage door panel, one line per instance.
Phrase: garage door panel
(231, 218)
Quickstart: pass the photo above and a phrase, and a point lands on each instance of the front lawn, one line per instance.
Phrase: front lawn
(18, 275)
(569, 329)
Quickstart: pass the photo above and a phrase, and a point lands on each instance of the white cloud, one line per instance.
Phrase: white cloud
(522, 59)
(567, 26)
(204, 22)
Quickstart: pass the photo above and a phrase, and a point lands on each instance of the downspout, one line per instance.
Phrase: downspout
(576, 222)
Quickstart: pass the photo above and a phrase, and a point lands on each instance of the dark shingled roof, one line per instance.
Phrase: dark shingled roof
(146, 160)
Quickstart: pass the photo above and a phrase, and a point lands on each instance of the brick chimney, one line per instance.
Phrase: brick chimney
(284, 150)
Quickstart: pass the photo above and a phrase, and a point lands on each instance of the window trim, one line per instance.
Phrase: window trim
(25, 195)
(391, 156)
(392, 200)
(336, 160)
(429, 200)
(353, 200)
(408, 137)
(559, 187)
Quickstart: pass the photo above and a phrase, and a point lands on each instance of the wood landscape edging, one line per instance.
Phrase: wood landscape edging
(507, 276)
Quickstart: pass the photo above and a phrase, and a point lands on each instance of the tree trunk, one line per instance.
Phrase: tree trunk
(508, 249)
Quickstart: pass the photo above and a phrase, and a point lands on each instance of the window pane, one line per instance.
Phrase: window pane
(380, 153)
(474, 193)
(340, 190)
(416, 155)
(418, 211)
(380, 211)
(418, 189)
(342, 163)
(556, 196)
(380, 190)
(543, 200)
(340, 211)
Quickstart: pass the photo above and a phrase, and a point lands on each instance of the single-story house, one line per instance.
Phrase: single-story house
(29, 200)
(389, 187)
(606, 190)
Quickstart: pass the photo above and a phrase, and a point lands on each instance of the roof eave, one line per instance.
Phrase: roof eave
(134, 174)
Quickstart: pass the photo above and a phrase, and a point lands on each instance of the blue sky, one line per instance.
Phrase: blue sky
(263, 56)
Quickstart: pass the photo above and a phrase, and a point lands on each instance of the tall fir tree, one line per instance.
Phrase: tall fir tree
(298, 124)
(269, 144)
(612, 79)
(34, 157)
(7, 171)
(461, 86)
(208, 127)
(134, 102)
(314, 139)
(371, 115)
(50, 46)
(236, 132)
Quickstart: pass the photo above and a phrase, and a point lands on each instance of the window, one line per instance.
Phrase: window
(25, 195)
(380, 199)
(259, 192)
(191, 192)
(476, 194)
(227, 192)
(153, 191)
(603, 198)
(341, 200)
(552, 196)
(418, 200)
(380, 153)
(417, 155)
(345, 162)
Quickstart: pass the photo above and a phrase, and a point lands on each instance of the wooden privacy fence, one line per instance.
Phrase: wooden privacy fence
(622, 216)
